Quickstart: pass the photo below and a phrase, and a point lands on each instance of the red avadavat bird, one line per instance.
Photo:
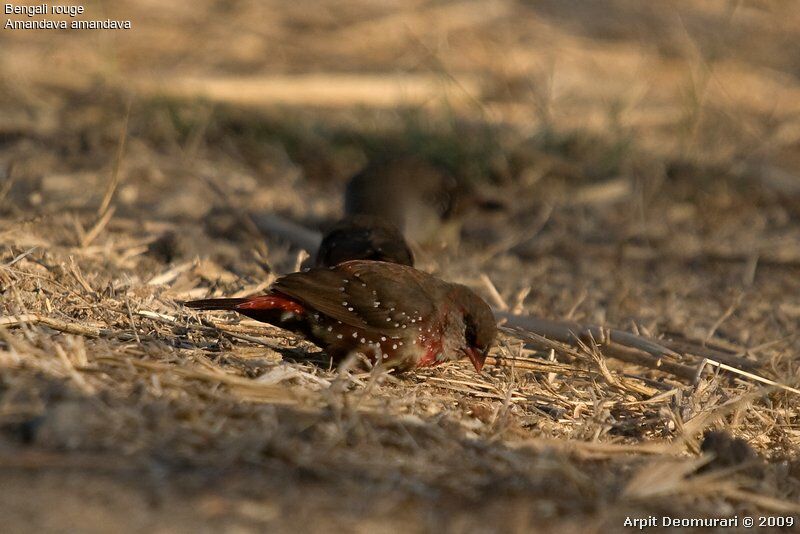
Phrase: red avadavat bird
(391, 313)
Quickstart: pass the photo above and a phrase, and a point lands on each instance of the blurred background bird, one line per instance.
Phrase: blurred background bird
(363, 237)
(421, 199)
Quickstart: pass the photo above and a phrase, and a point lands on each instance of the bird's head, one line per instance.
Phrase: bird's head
(480, 327)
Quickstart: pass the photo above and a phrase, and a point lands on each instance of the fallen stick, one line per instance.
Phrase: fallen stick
(701, 351)
(639, 357)
(270, 224)
(277, 226)
(570, 332)
(540, 330)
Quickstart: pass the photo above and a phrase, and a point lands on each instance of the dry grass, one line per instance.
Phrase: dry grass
(650, 185)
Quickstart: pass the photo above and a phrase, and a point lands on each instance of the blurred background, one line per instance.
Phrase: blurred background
(632, 95)
(619, 162)
(614, 129)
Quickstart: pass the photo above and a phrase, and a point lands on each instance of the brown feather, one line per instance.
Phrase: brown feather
(397, 289)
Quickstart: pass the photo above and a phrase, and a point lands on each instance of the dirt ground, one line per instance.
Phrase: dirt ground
(643, 160)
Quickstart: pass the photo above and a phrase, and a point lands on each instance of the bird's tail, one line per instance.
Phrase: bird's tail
(275, 309)
(215, 304)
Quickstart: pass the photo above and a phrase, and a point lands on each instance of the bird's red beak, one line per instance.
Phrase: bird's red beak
(476, 357)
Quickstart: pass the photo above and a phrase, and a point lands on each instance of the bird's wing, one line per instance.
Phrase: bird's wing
(370, 295)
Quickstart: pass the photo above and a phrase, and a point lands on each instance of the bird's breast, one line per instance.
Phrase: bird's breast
(392, 349)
